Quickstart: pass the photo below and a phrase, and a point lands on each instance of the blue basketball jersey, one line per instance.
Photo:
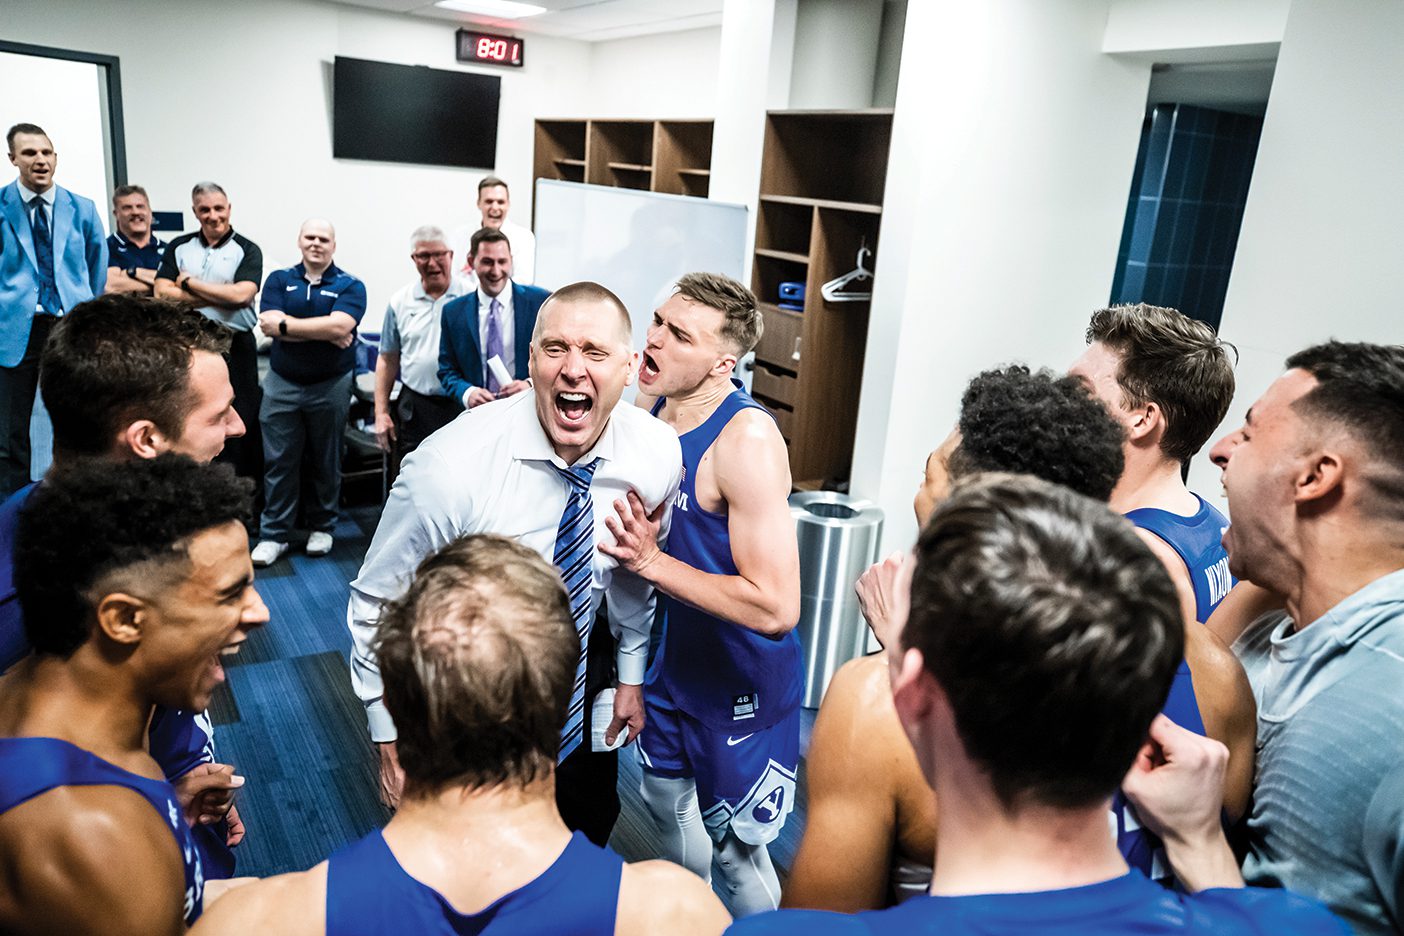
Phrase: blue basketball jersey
(370, 894)
(1142, 849)
(1127, 904)
(178, 739)
(1199, 542)
(31, 766)
(14, 645)
(722, 674)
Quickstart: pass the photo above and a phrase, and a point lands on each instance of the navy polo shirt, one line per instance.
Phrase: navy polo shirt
(288, 291)
(125, 255)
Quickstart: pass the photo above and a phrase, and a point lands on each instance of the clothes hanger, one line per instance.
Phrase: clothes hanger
(850, 287)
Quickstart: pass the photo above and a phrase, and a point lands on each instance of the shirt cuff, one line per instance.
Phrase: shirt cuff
(382, 726)
(631, 666)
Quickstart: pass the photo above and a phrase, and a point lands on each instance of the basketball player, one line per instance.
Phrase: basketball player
(477, 660)
(134, 578)
(871, 823)
(722, 698)
(865, 794)
(126, 377)
(1169, 381)
(1041, 640)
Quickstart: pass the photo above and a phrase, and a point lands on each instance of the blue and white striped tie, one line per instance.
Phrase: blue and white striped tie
(575, 552)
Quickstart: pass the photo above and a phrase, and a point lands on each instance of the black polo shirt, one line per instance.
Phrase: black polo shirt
(127, 256)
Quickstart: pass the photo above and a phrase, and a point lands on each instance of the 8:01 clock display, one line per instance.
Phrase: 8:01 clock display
(490, 49)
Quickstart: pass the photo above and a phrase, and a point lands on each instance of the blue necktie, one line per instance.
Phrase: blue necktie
(44, 257)
(574, 557)
(494, 346)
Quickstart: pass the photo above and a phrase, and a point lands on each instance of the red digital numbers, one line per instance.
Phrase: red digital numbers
(500, 50)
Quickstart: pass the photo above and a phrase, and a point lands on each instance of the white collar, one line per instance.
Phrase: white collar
(27, 194)
(531, 443)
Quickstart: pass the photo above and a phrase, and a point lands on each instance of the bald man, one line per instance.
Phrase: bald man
(310, 311)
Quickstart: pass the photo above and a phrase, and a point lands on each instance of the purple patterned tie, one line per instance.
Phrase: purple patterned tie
(494, 344)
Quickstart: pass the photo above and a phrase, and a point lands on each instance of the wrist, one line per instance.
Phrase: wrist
(283, 326)
(1203, 860)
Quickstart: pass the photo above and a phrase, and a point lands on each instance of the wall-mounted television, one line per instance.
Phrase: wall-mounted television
(413, 114)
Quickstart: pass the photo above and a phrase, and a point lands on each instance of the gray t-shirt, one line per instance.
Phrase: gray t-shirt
(1328, 806)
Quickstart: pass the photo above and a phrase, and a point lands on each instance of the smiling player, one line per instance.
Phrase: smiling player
(134, 579)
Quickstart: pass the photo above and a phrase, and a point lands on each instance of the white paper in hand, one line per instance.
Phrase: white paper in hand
(602, 713)
(499, 370)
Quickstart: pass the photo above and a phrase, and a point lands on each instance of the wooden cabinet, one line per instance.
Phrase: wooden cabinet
(673, 156)
(822, 180)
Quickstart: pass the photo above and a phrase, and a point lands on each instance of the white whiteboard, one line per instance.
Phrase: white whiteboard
(634, 243)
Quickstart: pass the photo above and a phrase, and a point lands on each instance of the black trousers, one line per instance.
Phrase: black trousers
(246, 453)
(417, 417)
(17, 388)
(587, 782)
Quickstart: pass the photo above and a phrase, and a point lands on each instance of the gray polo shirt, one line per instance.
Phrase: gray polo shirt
(1328, 807)
(234, 259)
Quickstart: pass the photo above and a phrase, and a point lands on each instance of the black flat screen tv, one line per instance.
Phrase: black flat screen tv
(413, 114)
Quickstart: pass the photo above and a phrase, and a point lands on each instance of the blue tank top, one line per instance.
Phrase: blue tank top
(1127, 904)
(720, 673)
(370, 894)
(178, 740)
(31, 766)
(14, 645)
(1199, 542)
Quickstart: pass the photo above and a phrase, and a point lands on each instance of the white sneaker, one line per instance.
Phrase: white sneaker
(318, 544)
(267, 552)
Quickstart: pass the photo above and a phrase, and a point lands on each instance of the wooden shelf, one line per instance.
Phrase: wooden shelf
(831, 204)
(672, 156)
(823, 175)
(782, 255)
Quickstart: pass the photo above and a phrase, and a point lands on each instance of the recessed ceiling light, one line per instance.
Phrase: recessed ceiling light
(507, 9)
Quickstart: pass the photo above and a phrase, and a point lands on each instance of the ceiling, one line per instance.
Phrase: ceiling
(583, 20)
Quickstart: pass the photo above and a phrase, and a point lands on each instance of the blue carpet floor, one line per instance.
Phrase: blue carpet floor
(289, 722)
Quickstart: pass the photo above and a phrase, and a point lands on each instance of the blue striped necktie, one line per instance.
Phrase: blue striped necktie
(574, 557)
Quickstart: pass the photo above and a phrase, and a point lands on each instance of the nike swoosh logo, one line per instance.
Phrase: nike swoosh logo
(732, 742)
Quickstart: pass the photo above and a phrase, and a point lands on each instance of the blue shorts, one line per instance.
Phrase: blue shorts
(745, 780)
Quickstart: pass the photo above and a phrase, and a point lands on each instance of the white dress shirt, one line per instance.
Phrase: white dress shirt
(509, 331)
(46, 205)
(492, 473)
(412, 328)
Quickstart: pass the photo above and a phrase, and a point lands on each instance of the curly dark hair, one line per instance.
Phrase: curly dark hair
(1053, 631)
(94, 517)
(1041, 424)
(120, 358)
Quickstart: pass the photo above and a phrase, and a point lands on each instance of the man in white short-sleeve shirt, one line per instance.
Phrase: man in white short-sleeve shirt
(494, 202)
(409, 349)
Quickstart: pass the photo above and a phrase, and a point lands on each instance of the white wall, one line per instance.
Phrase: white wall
(1321, 250)
(240, 93)
(66, 101)
(662, 75)
(1013, 147)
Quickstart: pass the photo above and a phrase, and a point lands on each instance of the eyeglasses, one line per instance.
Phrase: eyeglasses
(424, 256)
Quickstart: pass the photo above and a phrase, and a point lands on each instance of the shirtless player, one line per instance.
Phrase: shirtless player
(723, 696)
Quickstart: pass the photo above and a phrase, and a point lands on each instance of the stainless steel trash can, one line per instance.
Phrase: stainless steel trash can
(839, 538)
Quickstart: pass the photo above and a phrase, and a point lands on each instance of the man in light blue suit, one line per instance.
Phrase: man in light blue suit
(53, 255)
(495, 321)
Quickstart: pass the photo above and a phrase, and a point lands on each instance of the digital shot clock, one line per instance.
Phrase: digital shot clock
(490, 49)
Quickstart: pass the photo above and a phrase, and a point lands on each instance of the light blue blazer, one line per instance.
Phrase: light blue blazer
(80, 262)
